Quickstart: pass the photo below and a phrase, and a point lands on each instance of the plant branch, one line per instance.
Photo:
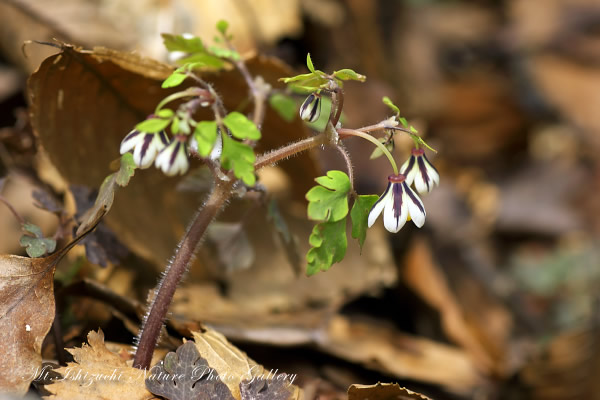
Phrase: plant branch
(153, 322)
(353, 132)
(346, 156)
(274, 156)
(12, 210)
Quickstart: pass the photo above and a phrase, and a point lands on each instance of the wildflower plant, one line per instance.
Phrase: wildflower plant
(226, 144)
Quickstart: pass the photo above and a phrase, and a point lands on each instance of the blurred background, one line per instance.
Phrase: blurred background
(495, 298)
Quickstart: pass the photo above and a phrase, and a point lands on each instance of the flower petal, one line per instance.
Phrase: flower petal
(144, 152)
(395, 212)
(131, 140)
(409, 169)
(415, 207)
(378, 206)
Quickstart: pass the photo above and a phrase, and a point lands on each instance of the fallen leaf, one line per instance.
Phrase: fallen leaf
(387, 350)
(423, 275)
(231, 364)
(383, 391)
(260, 389)
(185, 375)
(80, 127)
(99, 374)
(26, 314)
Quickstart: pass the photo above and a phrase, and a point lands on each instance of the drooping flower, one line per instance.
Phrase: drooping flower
(173, 159)
(310, 110)
(145, 146)
(419, 170)
(399, 203)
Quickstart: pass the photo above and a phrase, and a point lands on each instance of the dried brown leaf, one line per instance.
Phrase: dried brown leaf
(424, 276)
(26, 314)
(99, 374)
(84, 102)
(229, 362)
(185, 375)
(385, 349)
(383, 391)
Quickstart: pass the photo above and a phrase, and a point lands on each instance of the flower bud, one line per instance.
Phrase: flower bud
(311, 108)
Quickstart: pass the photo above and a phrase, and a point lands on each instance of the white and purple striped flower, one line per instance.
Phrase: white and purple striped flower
(173, 159)
(310, 110)
(419, 170)
(145, 146)
(399, 204)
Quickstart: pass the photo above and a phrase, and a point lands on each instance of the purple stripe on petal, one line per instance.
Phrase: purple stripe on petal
(174, 153)
(381, 197)
(145, 145)
(423, 170)
(414, 198)
(131, 135)
(397, 199)
(411, 164)
(162, 135)
(429, 163)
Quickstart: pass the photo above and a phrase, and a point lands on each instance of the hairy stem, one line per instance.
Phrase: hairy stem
(346, 156)
(273, 157)
(150, 331)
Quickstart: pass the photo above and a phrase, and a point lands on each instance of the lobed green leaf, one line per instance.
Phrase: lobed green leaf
(202, 60)
(225, 53)
(126, 170)
(329, 244)
(206, 135)
(359, 215)
(240, 157)
(241, 127)
(222, 26)
(329, 201)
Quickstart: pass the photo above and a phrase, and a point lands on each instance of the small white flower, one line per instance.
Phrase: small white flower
(310, 110)
(399, 203)
(145, 146)
(173, 159)
(419, 170)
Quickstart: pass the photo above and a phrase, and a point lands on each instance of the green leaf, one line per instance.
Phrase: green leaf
(284, 105)
(329, 201)
(413, 130)
(175, 79)
(403, 121)
(222, 26)
(239, 157)
(225, 53)
(348, 74)
(179, 43)
(175, 126)
(205, 134)
(201, 60)
(359, 215)
(329, 244)
(297, 78)
(33, 229)
(388, 102)
(241, 127)
(153, 125)
(126, 171)
(309, 63)
(165, 113)
(37, 245)
(387, 142)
